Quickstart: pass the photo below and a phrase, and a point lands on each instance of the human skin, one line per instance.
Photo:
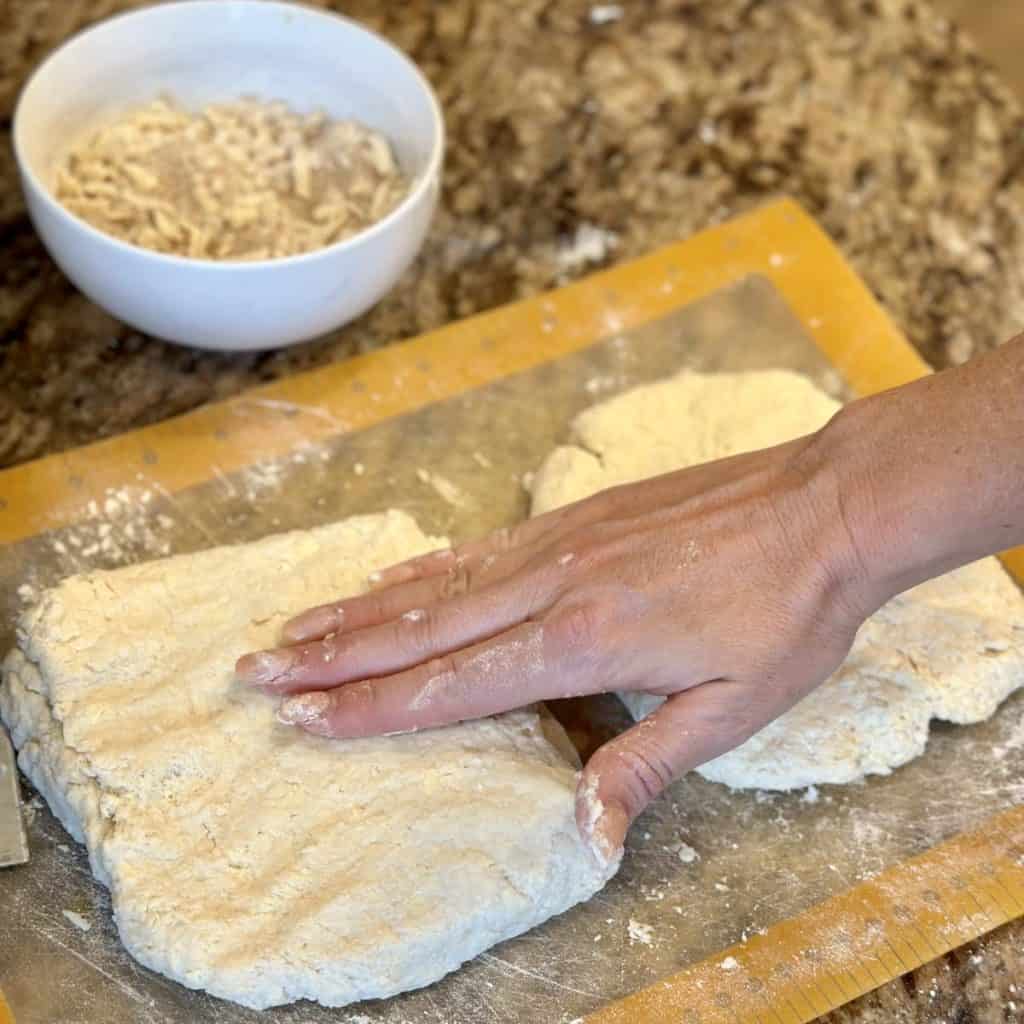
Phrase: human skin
(732, 589)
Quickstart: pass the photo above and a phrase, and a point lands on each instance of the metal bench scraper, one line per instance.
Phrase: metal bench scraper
(13, 846)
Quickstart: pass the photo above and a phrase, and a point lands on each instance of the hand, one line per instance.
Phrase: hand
(732, 589)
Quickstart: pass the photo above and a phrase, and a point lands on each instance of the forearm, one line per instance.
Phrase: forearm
(931, 475)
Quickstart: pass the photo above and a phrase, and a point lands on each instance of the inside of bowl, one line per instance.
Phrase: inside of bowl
(205, 51)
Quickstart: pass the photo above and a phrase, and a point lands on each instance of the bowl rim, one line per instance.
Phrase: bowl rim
(423, 182)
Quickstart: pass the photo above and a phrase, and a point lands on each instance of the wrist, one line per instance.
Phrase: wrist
(867, 528)
(839, 537)
(899, 503)
(930, 476)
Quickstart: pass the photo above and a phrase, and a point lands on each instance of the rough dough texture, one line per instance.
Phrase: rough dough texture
(952, 648)
(251, 859)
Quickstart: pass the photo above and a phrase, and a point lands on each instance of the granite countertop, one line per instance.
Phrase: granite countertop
(577, 139)
(582, 135)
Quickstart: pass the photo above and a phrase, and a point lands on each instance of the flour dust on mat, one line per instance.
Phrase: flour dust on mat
(254, 860)
(950, 649)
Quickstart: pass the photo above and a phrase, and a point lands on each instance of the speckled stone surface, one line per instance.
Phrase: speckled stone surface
(639, 130)
(876, 114)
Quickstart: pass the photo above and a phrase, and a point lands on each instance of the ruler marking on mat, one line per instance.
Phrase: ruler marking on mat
(836, 951)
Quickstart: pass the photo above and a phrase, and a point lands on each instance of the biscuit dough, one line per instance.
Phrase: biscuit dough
(952, 648)
(254, 860)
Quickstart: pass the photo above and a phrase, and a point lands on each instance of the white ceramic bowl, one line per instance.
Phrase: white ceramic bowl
(200, 51)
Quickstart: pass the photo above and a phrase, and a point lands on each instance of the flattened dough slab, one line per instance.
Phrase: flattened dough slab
(952, 648)
(251, 859)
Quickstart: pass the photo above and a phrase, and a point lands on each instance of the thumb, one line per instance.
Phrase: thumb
(627, 773)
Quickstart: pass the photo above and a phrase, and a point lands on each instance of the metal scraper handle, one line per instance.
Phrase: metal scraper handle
(13, 844)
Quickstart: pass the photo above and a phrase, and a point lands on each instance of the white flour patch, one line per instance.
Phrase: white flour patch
(605, 14)
(640, 933)
(115, 531)
(444, 488)
(271, 475)
(1013, 741)
(432, 689)
(593, 808)
(83, 924)
(686, 853)
(589, 244)
(730, 963)
(602, 382)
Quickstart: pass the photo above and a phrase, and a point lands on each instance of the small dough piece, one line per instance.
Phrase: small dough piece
(249, 858)
(952, 648)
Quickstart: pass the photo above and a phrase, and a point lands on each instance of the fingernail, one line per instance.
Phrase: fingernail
(317, 622)
(374, 578)
(305, 709)
(265, 667)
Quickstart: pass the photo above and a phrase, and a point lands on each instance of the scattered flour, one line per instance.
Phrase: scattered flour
(589, 244)
(117, 530)
(1014, 741)
(686, 853)
(605, 14)
(445, 489)
(642, 933)
(602, 382)
(81, 923)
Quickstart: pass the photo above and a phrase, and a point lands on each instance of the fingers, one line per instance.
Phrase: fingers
(451, 571)
(505, 672)
(508, 548)
(403, 638)
(628, 772)
(430, 564)
(476, 553)
(472, 553)
(383, 605)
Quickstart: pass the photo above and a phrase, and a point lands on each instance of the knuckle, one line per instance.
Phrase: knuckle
(378, 606)
(417, 630)
(324, 652)
(364, 694)
(443, 667)
(506, 538)
(577, 630)
(458, 580)
(649, 771)
(636, 776)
